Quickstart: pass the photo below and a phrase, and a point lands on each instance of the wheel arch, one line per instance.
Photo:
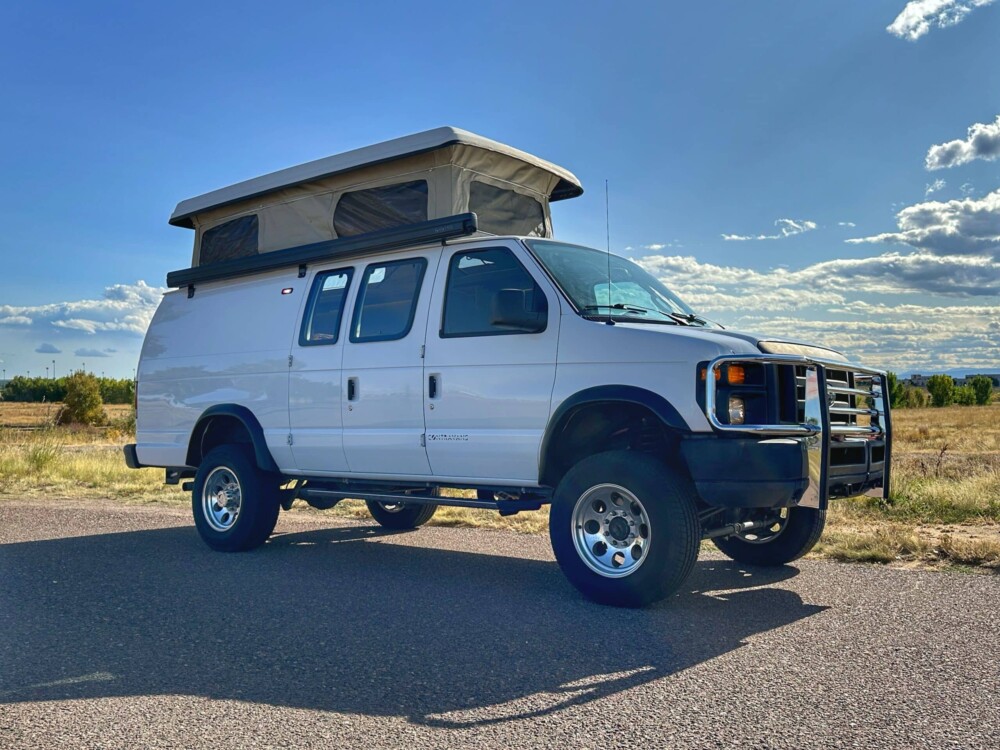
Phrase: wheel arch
(617, 406)
(229, 423)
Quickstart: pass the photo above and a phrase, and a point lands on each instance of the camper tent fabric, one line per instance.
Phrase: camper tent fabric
(374, 187)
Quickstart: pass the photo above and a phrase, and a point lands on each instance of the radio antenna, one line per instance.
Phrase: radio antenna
(607, 227)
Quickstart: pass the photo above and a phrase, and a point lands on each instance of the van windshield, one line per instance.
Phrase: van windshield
(633, 293)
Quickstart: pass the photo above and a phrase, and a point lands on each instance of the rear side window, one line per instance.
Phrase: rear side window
(475, 280)
(387, 300)
(503, 211)
(325, 308)
(384, 207)
(228, 241)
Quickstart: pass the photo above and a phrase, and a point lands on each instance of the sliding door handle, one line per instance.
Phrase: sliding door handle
(352, 389)
(433, 386)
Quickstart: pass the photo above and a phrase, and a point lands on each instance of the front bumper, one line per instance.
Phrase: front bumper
(840, 447)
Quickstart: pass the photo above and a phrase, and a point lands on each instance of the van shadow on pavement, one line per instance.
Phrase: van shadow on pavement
(328, 620)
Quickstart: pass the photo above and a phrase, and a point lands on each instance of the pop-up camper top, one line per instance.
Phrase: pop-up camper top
(432, 175)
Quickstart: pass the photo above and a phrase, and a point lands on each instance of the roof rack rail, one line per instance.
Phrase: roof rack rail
(435, 230)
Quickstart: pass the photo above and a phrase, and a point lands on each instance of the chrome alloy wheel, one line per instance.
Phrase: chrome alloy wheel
(766, 534)
(611, 530)
(221, 499)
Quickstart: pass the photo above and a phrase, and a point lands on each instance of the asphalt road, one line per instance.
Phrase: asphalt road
(118, 629)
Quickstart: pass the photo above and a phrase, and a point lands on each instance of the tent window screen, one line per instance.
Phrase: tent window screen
(474, 281)
(326, 307)
(384, 207)
(234, 239)
(503, 211)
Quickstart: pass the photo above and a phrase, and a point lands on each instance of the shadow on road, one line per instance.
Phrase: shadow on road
(328, 620)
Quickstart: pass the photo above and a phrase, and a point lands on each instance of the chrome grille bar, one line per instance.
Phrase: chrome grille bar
(838, 403)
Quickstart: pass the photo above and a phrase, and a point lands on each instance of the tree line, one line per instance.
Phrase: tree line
(37, 390)
(941, 391)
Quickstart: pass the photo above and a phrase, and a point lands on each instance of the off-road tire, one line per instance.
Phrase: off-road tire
(667, 500)
(259, 502)
(408, 516)
(800, 534)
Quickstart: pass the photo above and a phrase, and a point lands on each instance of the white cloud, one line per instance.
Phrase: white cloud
(825, 303)
(786, 228)
(965, 226)
(920, 16)
(125, 308)
(89, 353)
(827, 282)
(846, 224)
(982, 142)
(47, 348)
(905, 339)
(967, 189)
(934, 187)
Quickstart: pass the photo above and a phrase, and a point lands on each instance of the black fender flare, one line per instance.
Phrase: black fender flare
(657, 404)
(262, 455)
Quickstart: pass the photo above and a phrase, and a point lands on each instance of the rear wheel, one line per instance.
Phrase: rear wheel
(624, 528)
(235, 504)
(401, 515)
(794, 533)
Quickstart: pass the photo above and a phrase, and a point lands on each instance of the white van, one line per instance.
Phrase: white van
(397, 320)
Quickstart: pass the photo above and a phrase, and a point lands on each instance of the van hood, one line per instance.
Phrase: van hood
(741, 342)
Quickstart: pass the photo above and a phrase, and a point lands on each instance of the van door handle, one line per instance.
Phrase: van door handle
(432, 386)
(352, 389)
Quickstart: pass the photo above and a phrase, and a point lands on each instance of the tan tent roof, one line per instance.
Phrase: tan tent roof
(568, 186)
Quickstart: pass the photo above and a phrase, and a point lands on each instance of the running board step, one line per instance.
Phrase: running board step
(328, 498)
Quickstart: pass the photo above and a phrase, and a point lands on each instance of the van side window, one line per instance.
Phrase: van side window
(229, 240)
(384, 207)
(325, 309)
(477, 281)
(387, 300)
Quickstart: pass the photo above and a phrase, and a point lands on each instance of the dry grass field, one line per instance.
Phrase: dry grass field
(37, 416)
(944, 509)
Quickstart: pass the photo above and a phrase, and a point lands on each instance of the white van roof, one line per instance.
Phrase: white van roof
(566, 186)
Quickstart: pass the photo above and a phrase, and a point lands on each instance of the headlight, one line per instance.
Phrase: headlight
(737, 410)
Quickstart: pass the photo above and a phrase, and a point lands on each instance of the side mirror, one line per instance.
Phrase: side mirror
(522, 310)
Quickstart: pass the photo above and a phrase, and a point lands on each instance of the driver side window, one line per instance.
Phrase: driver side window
(478, 282)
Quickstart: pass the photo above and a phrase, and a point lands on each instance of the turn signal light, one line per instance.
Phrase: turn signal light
(735, 374)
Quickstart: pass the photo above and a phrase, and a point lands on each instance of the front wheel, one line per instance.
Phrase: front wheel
(794, 532)
(624, 528)
(235, 503)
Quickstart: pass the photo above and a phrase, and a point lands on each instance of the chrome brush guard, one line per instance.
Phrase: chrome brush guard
(842, 420)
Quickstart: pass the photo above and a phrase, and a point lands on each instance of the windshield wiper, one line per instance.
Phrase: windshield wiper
(618, 306)
(688, 318)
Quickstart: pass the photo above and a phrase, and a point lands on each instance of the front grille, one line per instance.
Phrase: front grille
(854, 400)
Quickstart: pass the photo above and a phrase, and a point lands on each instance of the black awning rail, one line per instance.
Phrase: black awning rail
(425, 232)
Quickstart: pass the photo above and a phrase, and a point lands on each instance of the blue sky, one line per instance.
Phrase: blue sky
(796, 126)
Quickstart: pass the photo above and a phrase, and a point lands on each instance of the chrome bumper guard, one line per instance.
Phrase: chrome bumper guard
(861, 395)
